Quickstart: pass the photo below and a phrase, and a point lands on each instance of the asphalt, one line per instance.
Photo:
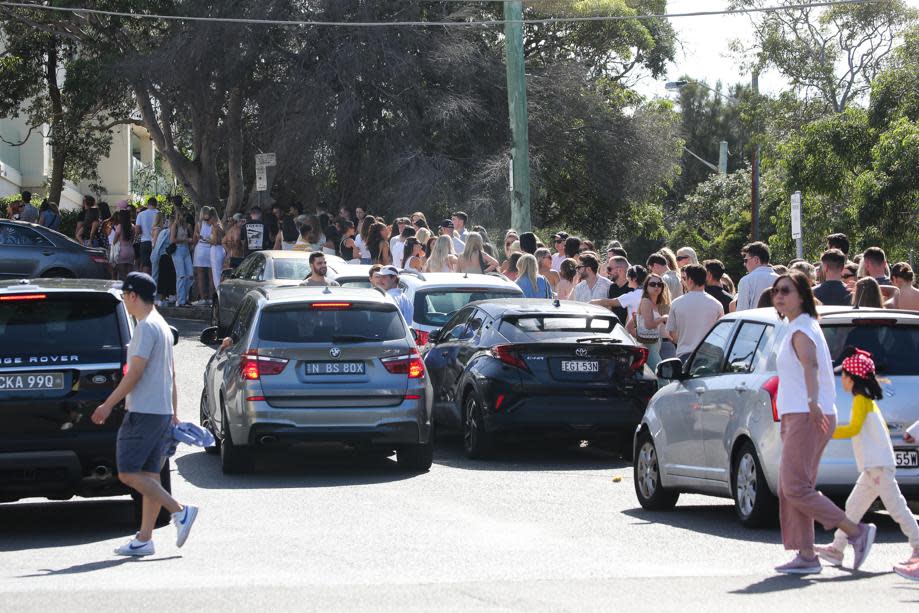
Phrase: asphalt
(535, 529)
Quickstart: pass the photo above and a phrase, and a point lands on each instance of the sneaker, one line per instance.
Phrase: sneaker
(136, 548)
(829, 554)
(199, 303)
(913, 559)
(862, 543)
(801, 566)
(183, 521)
(908, 571)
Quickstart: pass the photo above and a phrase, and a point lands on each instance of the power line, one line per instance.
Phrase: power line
(428, 24)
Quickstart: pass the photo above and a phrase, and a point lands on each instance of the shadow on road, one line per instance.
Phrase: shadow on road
(783, 583)
(37, 525)
(300, 467)
(720, 520)
(189, 329)
(90, 567)
(527, 456)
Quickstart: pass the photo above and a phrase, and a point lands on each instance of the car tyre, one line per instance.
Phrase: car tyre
(215, 317)
(164, 517)
(234, 459)
(477, 443)
(208, 425)
(755, 505)
(416, 458)
(647, 476)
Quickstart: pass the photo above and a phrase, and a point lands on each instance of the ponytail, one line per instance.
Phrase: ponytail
(867, 386)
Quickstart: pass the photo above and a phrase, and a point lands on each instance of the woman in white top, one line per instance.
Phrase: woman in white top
(218, 253)
(806, 406)
(652, 316)
(202, 255)
(360, 239)
(474, 259)
(443, 258)
(412, 255)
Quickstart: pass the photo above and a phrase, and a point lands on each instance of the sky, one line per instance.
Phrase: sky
(705, 53)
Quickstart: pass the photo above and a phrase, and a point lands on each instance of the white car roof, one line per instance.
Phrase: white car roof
(455, 280)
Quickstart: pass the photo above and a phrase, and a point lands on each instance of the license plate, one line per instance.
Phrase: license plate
(576, 366)
(906, 458)
(334, 368)
(32, 382)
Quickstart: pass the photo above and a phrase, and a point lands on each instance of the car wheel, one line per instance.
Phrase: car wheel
(754, 503)
(477, 443)
(234, 459)
(647, 476)
(208, 425)
(138, 507)
(416, 458)
(57, 273)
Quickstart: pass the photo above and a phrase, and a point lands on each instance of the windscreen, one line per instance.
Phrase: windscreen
(291, 269)
(893, 347)
(436, 307)
(56, 324)
(301, 323)
(526, 328)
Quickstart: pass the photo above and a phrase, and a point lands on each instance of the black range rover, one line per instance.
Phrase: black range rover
(63, 349)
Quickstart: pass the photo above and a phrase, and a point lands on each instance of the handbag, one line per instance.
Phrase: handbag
(171, 248)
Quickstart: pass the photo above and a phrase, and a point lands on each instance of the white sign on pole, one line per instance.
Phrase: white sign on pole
(261, 179)
(796, 215)
(510, 175)
(265, 159)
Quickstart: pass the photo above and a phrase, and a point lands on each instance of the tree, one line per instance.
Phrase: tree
(59, 86)
(830, 54)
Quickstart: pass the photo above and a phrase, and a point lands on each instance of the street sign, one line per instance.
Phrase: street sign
(261, 178)
(796, 215)
(263, 160)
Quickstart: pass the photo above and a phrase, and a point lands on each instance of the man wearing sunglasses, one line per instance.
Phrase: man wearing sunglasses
(592, 285)
(559, 241)
(760, 277)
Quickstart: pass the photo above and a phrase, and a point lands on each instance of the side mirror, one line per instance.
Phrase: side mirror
(209, 336)
(227, 273)
(175, 335)
(671, 370)
(434, 336)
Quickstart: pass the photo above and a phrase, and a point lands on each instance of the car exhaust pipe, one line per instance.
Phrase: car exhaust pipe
(102, 472)
(267, 440)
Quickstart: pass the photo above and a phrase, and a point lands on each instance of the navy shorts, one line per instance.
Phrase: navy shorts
(143, 441)
(146, 250)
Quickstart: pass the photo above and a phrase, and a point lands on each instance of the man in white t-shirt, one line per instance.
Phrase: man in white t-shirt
(693, 314)
(629, 301)
(146, 219)
(761, 276)
(592, 286)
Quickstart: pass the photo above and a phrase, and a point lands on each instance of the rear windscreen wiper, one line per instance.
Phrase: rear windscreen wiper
(352, 338)
(599, 339)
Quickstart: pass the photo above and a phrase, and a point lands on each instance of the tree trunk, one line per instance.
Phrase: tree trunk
(235, 153)
(58, 150)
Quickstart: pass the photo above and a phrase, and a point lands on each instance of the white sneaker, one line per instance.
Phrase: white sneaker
(199, 303)
(183, 521)
(136, 548)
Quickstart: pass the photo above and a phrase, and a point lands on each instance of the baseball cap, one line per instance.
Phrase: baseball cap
(141, 284)
(446, 223)
(238, 216)
(388, 271)
(560, 235)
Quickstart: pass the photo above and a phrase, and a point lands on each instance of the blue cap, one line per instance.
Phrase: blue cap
(141, 284)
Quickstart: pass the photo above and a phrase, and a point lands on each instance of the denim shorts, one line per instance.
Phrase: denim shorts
(143, 441)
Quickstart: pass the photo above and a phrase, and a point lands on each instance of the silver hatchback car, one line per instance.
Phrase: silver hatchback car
(316, 365)
(713, 428)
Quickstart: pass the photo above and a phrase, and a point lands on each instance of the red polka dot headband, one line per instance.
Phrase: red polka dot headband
(859, 364)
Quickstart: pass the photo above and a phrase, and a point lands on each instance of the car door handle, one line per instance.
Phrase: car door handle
(740, 389)
(699, 390)
(46, 252)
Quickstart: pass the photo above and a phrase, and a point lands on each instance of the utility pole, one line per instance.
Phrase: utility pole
(517, 110)
(756, 151)
(723, 158)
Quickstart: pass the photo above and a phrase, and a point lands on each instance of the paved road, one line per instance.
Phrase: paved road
(534, 530)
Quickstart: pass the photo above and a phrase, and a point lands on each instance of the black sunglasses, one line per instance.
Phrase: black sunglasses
(682, 257)
(655, 284)
(784, 290)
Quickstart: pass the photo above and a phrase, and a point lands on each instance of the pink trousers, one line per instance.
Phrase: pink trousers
(800, 504)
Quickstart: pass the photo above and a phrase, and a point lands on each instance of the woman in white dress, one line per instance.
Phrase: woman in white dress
(202, 257)
(218, 253)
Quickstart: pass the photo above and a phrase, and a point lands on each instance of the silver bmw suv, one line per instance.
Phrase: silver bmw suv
(306, 364)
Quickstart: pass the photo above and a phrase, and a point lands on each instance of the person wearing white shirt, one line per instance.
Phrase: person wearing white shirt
(447, 229)
(387, 278)
(693, 314)
(146, 219)
(760, 277)
(559, 241)
(631, 300)
(460, 221)
(592, 286)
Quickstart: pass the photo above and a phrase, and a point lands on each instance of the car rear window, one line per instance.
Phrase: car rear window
(291, 269)
(362, 282)
(436, 307)
(301, 323)
(532, 327)
(59, 323)
(892, 346)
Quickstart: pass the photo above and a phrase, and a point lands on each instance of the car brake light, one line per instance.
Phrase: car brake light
(254, 366)
(413, 397)
(409, 364)
(639, 360)
(331, 306)
(422, 337)
(18, 297)
(499, 401)
(772, 388)
(124, 370)
(256, 399)
(508, 354)
(99, 259)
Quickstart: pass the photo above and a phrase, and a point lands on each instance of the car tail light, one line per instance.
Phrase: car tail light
(99, 259)
(499, 401)
(331, 306)
(413, 397)
(772, 388)
(509, 355)
(256, 399)
(422, 337)
(22, 297)
(124, 370)
(254, 366)
(639, 359)
(409, 364)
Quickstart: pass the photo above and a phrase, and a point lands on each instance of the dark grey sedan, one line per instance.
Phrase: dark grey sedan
(29, 250)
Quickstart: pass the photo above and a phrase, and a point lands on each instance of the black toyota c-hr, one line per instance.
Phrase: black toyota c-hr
(538, 367)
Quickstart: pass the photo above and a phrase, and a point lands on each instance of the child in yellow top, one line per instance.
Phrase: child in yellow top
(873, 456)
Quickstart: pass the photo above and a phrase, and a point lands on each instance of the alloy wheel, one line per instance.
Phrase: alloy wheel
(647, 470)
(746, 484)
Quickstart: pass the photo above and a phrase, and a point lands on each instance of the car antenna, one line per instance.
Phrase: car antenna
(557, 303)
(326, 290)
